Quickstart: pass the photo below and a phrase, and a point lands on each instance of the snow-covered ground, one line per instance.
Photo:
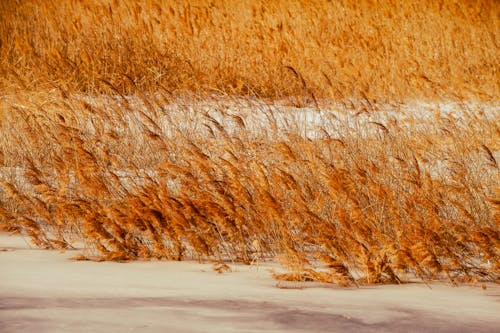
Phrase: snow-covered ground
(259, 117)
(44, 291)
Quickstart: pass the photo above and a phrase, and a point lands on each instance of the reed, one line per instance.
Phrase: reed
(391, 50)
(204, 130)
(361, 202)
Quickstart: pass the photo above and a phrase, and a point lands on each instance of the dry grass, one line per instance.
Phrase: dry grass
(384, 50)
(134, 128)
(364, 202)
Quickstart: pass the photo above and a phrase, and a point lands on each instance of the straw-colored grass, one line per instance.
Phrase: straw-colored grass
(379, 50)
(357, 202)
(135, 129)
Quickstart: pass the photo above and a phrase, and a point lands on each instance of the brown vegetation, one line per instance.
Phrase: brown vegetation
(128, 127)
(138, 179)
(379, 50)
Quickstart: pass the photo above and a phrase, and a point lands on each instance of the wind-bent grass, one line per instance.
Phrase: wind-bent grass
(181, 129)
(357, 201)
(383, 50)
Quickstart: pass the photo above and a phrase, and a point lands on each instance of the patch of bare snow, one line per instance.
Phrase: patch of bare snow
(44, 291)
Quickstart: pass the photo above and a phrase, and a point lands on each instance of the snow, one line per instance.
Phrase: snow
(191, 116)
(44, 291)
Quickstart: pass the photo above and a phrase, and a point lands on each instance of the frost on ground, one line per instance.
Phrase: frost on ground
(44, 291)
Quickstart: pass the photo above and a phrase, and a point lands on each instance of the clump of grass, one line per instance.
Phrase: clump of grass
(356, 202)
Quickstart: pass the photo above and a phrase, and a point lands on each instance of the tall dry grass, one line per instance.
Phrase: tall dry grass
(134, 127)
(383, 50)
(358, 201)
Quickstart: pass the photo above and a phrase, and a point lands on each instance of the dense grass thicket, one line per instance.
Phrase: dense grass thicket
(358, 202)
(379, 50)
(251, 130)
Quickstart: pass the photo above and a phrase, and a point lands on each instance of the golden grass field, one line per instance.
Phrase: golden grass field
(380, 50)
(128, 127)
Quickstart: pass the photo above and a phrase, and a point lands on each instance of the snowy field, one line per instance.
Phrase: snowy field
(44, 291)
(260, 117)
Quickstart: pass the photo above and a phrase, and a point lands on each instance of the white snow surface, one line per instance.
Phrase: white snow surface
(43, 291)
(312, 121)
